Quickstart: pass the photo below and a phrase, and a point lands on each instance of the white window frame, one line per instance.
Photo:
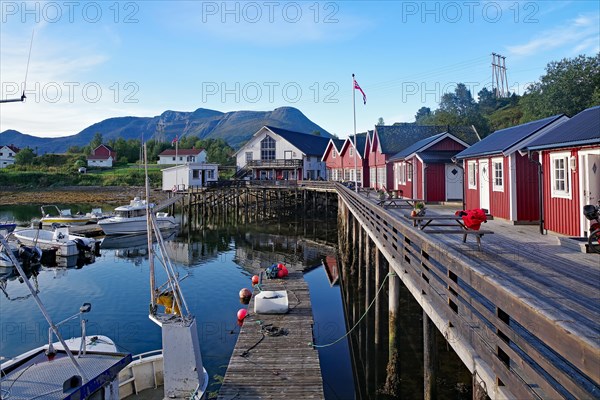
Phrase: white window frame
(495, 186)
(472, 174)
(401, 173)
(559, 193)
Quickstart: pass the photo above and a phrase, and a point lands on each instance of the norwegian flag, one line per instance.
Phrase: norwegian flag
(174, 140)
(356, 86)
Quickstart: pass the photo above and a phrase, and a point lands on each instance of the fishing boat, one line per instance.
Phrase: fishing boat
(51, 371)
(60, 240)
(52, 215)
(7, 227)
(131, 218)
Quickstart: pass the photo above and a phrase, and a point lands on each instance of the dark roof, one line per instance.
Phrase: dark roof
(416, 146)
(311, 145)
(12, 147)
(338, 143)
(181, 152)
(583, 128)
(396, 138)
(104, 145)
(361, 142)
(430, 157)
(502, 140)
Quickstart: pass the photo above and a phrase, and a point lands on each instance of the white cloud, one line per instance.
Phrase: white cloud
(581, 33)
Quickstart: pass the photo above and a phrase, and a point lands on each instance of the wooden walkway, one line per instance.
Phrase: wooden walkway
(523, 312)
(276, 367)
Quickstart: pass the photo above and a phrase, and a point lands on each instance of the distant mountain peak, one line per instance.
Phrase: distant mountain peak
(235, 127)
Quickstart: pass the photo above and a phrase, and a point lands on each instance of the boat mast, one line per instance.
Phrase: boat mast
(149, 229)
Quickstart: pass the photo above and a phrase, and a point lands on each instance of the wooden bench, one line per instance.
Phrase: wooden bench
(452, 221)
(398, 202)
(478, 234)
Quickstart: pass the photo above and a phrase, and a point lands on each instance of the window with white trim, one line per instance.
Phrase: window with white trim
(498, 175)
(472, 172)
(248, 156)
(560, 175)
(401, 173)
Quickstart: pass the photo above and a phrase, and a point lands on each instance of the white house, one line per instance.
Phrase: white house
(102, 156)
(182, 156)
(274, 153)
(7, 155)
(182, 177)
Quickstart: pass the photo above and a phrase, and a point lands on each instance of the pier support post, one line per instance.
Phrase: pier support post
(479, 392)
(429, 359)
(392, 382)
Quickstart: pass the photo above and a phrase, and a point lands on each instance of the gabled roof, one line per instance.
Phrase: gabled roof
(361, 143)
(181, 152)
(103, 145)
(94, 157)
(582, 129)
(431, 157)
(311, 145)
(501, 141)
(395, 138)
(12, 147)
(338, 143)
(416, 146)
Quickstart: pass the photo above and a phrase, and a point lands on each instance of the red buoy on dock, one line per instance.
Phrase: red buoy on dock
(241, 314)
(255, 280)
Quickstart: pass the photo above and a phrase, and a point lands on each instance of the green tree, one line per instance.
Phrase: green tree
(422, 115)
(96, 141)
(568, 87)
(24, 157)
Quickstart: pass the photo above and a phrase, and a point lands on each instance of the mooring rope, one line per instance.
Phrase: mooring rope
(360, 319)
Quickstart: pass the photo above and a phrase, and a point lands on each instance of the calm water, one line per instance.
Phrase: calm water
(116, 283)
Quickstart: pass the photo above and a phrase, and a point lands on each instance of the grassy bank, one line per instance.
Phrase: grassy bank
(55, 177)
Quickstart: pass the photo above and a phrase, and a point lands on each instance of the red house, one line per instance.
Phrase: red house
(502, 180)
(102, 156)
(387, 141)
(570, 158)
(425, 169)
(333, 160)
(340, 160)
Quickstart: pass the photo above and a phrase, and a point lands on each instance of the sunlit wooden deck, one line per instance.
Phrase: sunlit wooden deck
(276, 367)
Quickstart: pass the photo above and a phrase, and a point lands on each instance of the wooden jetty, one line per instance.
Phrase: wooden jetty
(276, 367)
(522, 312)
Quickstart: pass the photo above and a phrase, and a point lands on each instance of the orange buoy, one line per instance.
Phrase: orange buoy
(255, 280)
(241, 314)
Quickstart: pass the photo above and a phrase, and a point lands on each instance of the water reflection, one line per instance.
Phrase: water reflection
(218, 256)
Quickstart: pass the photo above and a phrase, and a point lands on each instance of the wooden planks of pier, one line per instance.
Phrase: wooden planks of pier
(278, 367)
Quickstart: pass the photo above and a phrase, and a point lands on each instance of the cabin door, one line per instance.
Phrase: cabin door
(589, 165)
(454, 182)
(484, 185)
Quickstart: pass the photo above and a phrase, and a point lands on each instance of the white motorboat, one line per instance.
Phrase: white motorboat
(60, 240)
(27, 255)
(52, 215)
(131, 219)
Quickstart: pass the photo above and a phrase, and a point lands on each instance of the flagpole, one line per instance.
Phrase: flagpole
(355, 149)
(176, 162)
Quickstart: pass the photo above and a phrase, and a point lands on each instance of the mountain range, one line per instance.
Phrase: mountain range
(234, 127)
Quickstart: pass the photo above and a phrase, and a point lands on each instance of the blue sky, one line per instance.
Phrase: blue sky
(95, 60)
